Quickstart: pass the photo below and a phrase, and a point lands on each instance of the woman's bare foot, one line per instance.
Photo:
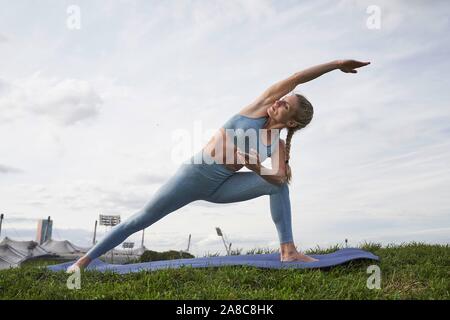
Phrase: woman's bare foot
(298, 257)
(289, 253)
(82, 263)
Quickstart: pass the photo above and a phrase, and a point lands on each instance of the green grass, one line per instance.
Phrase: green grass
(409, 271)
(150, 255)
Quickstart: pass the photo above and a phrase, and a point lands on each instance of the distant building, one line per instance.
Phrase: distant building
(44, 230)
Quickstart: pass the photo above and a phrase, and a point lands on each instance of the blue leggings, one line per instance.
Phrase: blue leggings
(209, 182)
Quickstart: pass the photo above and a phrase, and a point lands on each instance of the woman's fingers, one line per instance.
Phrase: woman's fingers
(240, 158)
(253, 156)
(361, 64)
(243, 157)
(248, 158)
(350, 66)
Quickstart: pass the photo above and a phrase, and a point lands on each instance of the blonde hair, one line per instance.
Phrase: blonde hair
(303, 117)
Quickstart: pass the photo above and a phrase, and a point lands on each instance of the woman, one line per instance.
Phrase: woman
(212, 174)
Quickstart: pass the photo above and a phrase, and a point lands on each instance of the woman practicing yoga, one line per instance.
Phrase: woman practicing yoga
(247, 139)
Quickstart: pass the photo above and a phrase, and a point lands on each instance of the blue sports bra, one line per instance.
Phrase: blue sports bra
(246, 134)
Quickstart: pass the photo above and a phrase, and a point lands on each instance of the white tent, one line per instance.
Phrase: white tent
(10, 257)
(27, 248)
(63, 248)
(4, 264)
(13, 253)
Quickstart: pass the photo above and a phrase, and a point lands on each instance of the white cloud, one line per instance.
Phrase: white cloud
(7, 169)
(66, 101)
(150, 178)
(3, 39)
(376, 147)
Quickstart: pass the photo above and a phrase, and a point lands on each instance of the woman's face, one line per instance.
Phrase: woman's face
(284, 110)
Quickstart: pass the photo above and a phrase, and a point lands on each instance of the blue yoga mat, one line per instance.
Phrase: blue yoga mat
(256, 260)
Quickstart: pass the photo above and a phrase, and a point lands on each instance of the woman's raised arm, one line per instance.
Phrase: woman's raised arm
(283, 87)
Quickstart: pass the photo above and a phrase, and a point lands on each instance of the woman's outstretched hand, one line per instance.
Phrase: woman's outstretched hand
(349, 66)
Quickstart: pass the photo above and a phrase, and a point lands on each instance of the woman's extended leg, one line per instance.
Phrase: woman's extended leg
(185, 186)
(173, 195)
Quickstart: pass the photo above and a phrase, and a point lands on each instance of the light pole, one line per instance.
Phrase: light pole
(142, 241)
(220, 234)
(95, 233)
(110, 221)
(189, 243)
(128, 245)
(1, 221)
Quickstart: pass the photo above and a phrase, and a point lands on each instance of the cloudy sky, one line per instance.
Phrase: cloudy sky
(94, 95)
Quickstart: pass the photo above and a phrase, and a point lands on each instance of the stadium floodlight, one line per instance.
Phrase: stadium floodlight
(220, 234)
(109, 221)
(128, 245)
